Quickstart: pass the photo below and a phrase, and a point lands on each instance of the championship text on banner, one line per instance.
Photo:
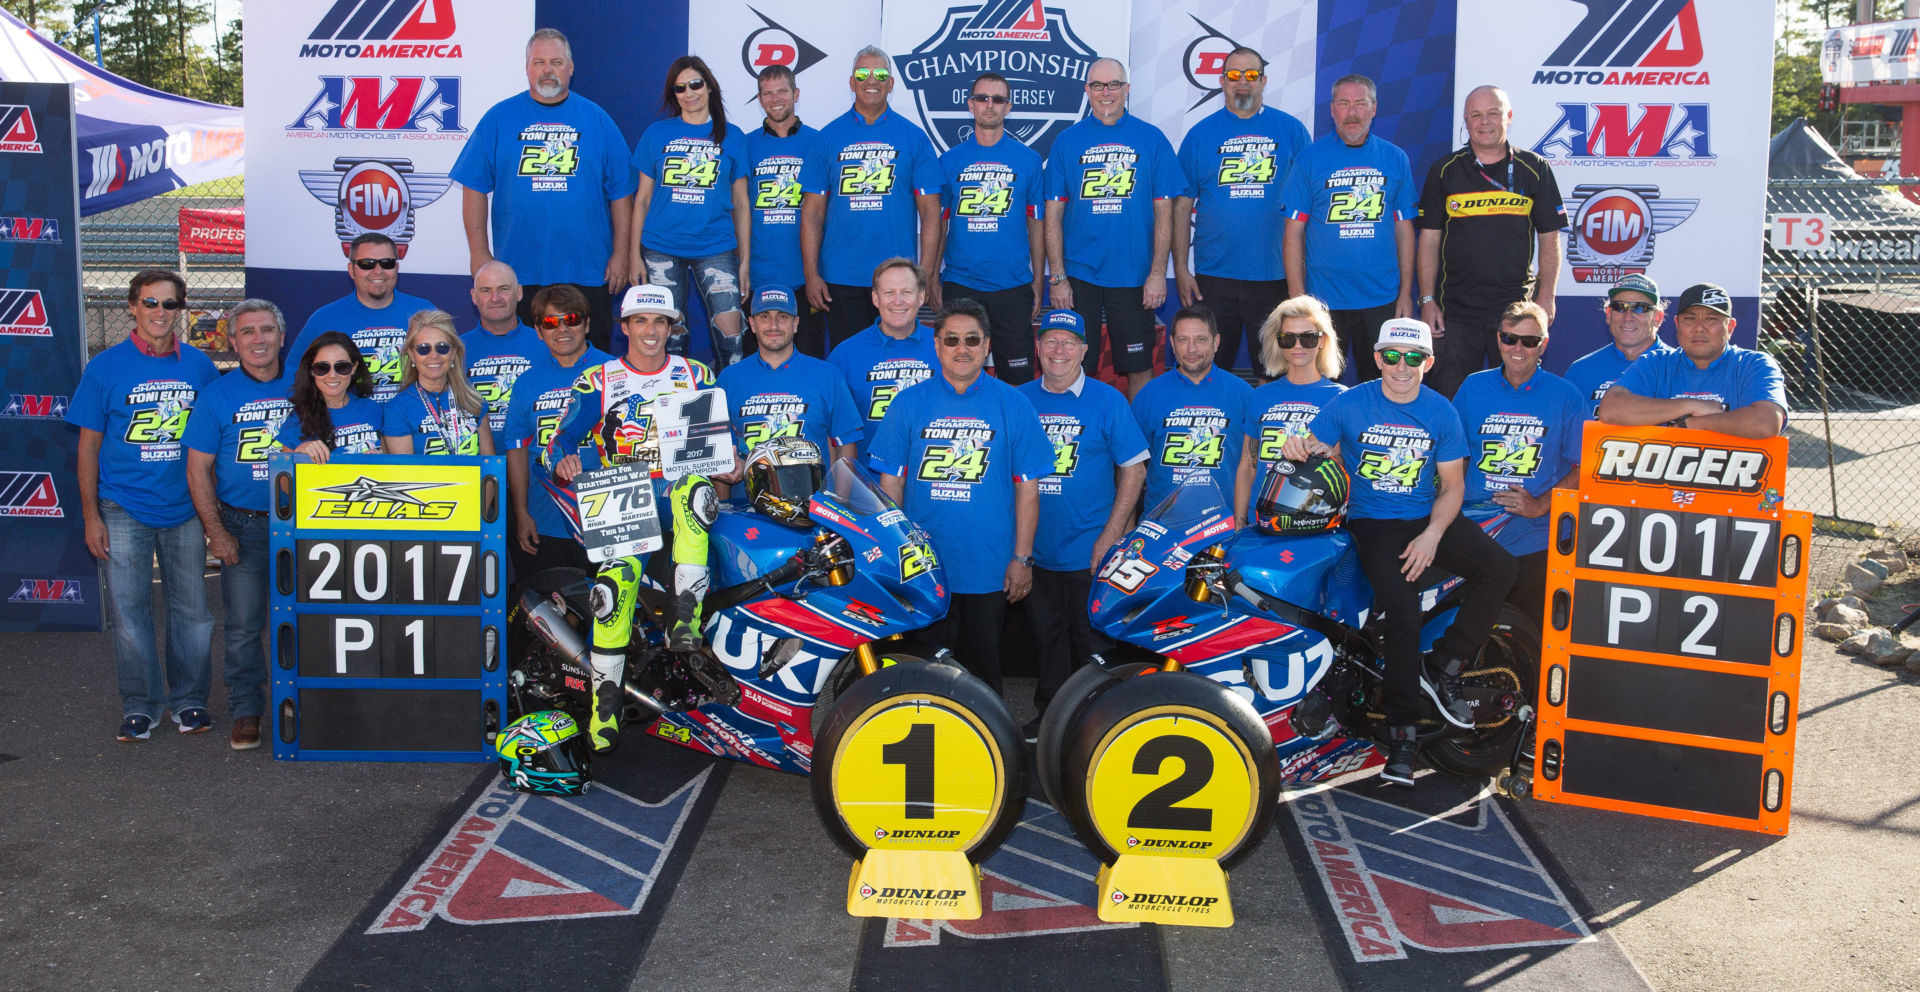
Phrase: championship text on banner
(49, 579)
(388, 598)
(1670, 660)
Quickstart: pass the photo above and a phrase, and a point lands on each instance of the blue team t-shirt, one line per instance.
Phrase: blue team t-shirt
(495, 362)
(878, 367)
(1193, 431)
(1234, 168)
(140, 404)
(236, 419)
(1092, 432)
(356, 427)
(1277, 411)
(435, 424)
(1526, 438)
(870, 174)
(1737, 378)
(1392, 451)
(379, 334)
(1596, 371)
(802, 397)
(773, 195)
(690, 214)
(1350, 199)
(539, 402)
(1110, 175)
(553, 171)
(990, 195)
(960, 455)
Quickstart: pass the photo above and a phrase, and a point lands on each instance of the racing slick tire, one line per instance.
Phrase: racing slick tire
(1081, 688)
(1510, 659)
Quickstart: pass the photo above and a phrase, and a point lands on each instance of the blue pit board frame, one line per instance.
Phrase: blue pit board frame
(388, 607)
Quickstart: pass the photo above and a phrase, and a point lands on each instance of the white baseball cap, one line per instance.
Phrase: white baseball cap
(1405, 332)
(648, 299)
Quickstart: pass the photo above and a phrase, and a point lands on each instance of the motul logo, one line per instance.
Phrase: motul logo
(1650, 463)
(23, 314)
(17, 130)
(29, 494)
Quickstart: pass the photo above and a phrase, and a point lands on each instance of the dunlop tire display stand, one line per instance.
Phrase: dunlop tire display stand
(388, 607)
(1670, 659)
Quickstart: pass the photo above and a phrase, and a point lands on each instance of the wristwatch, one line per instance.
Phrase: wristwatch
(1056, 279)
(1026, 560)
(1424, 300)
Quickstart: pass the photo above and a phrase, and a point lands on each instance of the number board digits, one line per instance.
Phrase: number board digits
(389, 647)
(1677, 544)
(1682, 622)
(435, 573)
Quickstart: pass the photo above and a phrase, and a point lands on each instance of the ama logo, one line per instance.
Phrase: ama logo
(1629, 43)
(17, 130)
(390, 29)
(1613, 229)
(374, 194)
(41, 229)
(48, 591)
(31, 406)
(1033, 46)
(23, 314)
(1612, 134)
(396, 107)
(774, 44)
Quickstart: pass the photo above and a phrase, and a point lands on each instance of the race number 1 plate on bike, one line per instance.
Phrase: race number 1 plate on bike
(618, 515)
(695, 436)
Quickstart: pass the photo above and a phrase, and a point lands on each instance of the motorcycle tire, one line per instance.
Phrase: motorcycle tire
(848, 671)
(1081, 688)
(1484, 752)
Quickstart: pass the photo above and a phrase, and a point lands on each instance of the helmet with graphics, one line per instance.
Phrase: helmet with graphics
(1302, 497)
(782, 475)
(545, 754)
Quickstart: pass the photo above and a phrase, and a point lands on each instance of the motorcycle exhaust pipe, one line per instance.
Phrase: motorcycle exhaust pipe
(551, 626)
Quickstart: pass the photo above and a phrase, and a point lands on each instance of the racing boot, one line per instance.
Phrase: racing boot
(695, 508)
(615, 590)
(1402, 744)
(1440, 679)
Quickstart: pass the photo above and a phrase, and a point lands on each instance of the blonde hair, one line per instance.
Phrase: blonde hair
(1274, 357)
(464, 395)
(1525, 310)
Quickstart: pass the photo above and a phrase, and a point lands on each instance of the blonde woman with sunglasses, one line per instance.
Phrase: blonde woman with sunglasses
(1300, 351)
(435, 411)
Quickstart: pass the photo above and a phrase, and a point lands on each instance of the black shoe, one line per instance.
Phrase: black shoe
(1440, 679)
(1402, 744)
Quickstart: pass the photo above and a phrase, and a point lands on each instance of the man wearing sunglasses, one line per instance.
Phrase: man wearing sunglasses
(776, 151)
(1404, 449)
(993, 247)
(963, 454)
(1234, 161)
(132, 407)
(542, 536)
(1486, 212)
(1634, 313)
(547, 186)
(1708, 383)
(502, 348)
(871, 192)
(374, 315)
(1111, 181)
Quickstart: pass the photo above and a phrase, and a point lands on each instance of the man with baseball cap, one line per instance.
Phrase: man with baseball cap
(612, 409)
(1709, 383)
(1405, 450)
(1634, 312)
(778, 392)
(1099, 464)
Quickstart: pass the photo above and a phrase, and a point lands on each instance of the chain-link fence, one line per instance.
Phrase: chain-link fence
(150, 234)
(1842, 317)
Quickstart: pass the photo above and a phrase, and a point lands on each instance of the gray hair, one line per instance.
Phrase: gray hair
(1372, 95)
(256, 305)
(875, 51)
(551, 34)
(1110, 60)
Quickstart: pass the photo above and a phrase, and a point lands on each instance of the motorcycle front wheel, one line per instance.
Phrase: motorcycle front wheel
(888, 653)
(1510, 660)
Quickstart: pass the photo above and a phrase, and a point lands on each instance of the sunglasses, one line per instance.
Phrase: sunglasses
(338, 368)
(367, 264)
(993, 98)
(150, 303)
(877, 75)
(1311, 339)
(1394, 356)
(554, 321)
(1523, 340)
(955, 341)
(1618, 307)
(695, 85)
(424, 348)
(1113, 87)
(1250, 75)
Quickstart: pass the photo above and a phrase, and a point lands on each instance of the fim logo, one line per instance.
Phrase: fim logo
(772, 44)
(369, 499)
(41, 229)
(374, 195)
(47, 591)
(23, 314)
(397, 107)
(1034, 47)
(1658, 38)
(29, 494)
(1614, 227)
(17, 131)
(412, 23)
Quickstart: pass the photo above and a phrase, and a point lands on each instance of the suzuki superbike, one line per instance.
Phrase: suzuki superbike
(795, 615)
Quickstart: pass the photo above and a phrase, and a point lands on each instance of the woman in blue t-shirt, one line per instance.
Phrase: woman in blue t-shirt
(435, 411)
(690, 216)
(1300, 351)
(332, 405)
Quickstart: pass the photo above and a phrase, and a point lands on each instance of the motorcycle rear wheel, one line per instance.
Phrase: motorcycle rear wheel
(1512, 647)
(1050, 745)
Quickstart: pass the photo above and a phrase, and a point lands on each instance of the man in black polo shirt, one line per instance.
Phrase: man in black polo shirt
(1484, 211)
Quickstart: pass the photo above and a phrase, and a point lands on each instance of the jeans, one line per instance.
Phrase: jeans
(128, 579)
(719, 280)
(244, 587)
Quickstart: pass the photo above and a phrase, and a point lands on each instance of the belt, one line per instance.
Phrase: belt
(230, 508)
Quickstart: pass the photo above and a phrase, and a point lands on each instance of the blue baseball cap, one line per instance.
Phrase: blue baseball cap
(1063, 320)
(773, 298)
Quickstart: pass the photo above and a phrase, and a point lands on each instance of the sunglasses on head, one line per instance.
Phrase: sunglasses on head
(1394, 356)
(1310, 339)
(338, 368)
(554, 321)
(423, 348)
(955, 341)
(1618, 306)
(1250, 75)
(877, 75)
(695, 85)
(150, 303)
(1523, 340)
(367, 264)
(993, 98)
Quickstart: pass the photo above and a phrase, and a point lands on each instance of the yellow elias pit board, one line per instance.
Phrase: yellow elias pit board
(401, 497)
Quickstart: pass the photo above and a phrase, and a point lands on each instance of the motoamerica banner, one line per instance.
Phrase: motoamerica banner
(1882, 52)
(46, 574)
(356, 111)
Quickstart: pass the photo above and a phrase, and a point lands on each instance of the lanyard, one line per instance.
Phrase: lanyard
(1495, 183)
(450, 425)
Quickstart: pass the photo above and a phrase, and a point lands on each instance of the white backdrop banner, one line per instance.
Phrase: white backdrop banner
(1654, 115)
(355, 113)
(739, 38)
(1883, 52)
(1180, 48)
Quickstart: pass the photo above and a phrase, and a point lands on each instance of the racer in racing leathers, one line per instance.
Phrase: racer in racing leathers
(612, 408)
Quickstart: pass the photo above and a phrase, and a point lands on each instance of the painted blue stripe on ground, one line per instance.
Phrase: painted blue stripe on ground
(1415, 846)
(547, 854)
(594, 835)
(1553, 914)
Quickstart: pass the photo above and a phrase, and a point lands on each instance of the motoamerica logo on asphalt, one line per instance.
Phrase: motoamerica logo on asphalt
(513, 858)
(1044, 61)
